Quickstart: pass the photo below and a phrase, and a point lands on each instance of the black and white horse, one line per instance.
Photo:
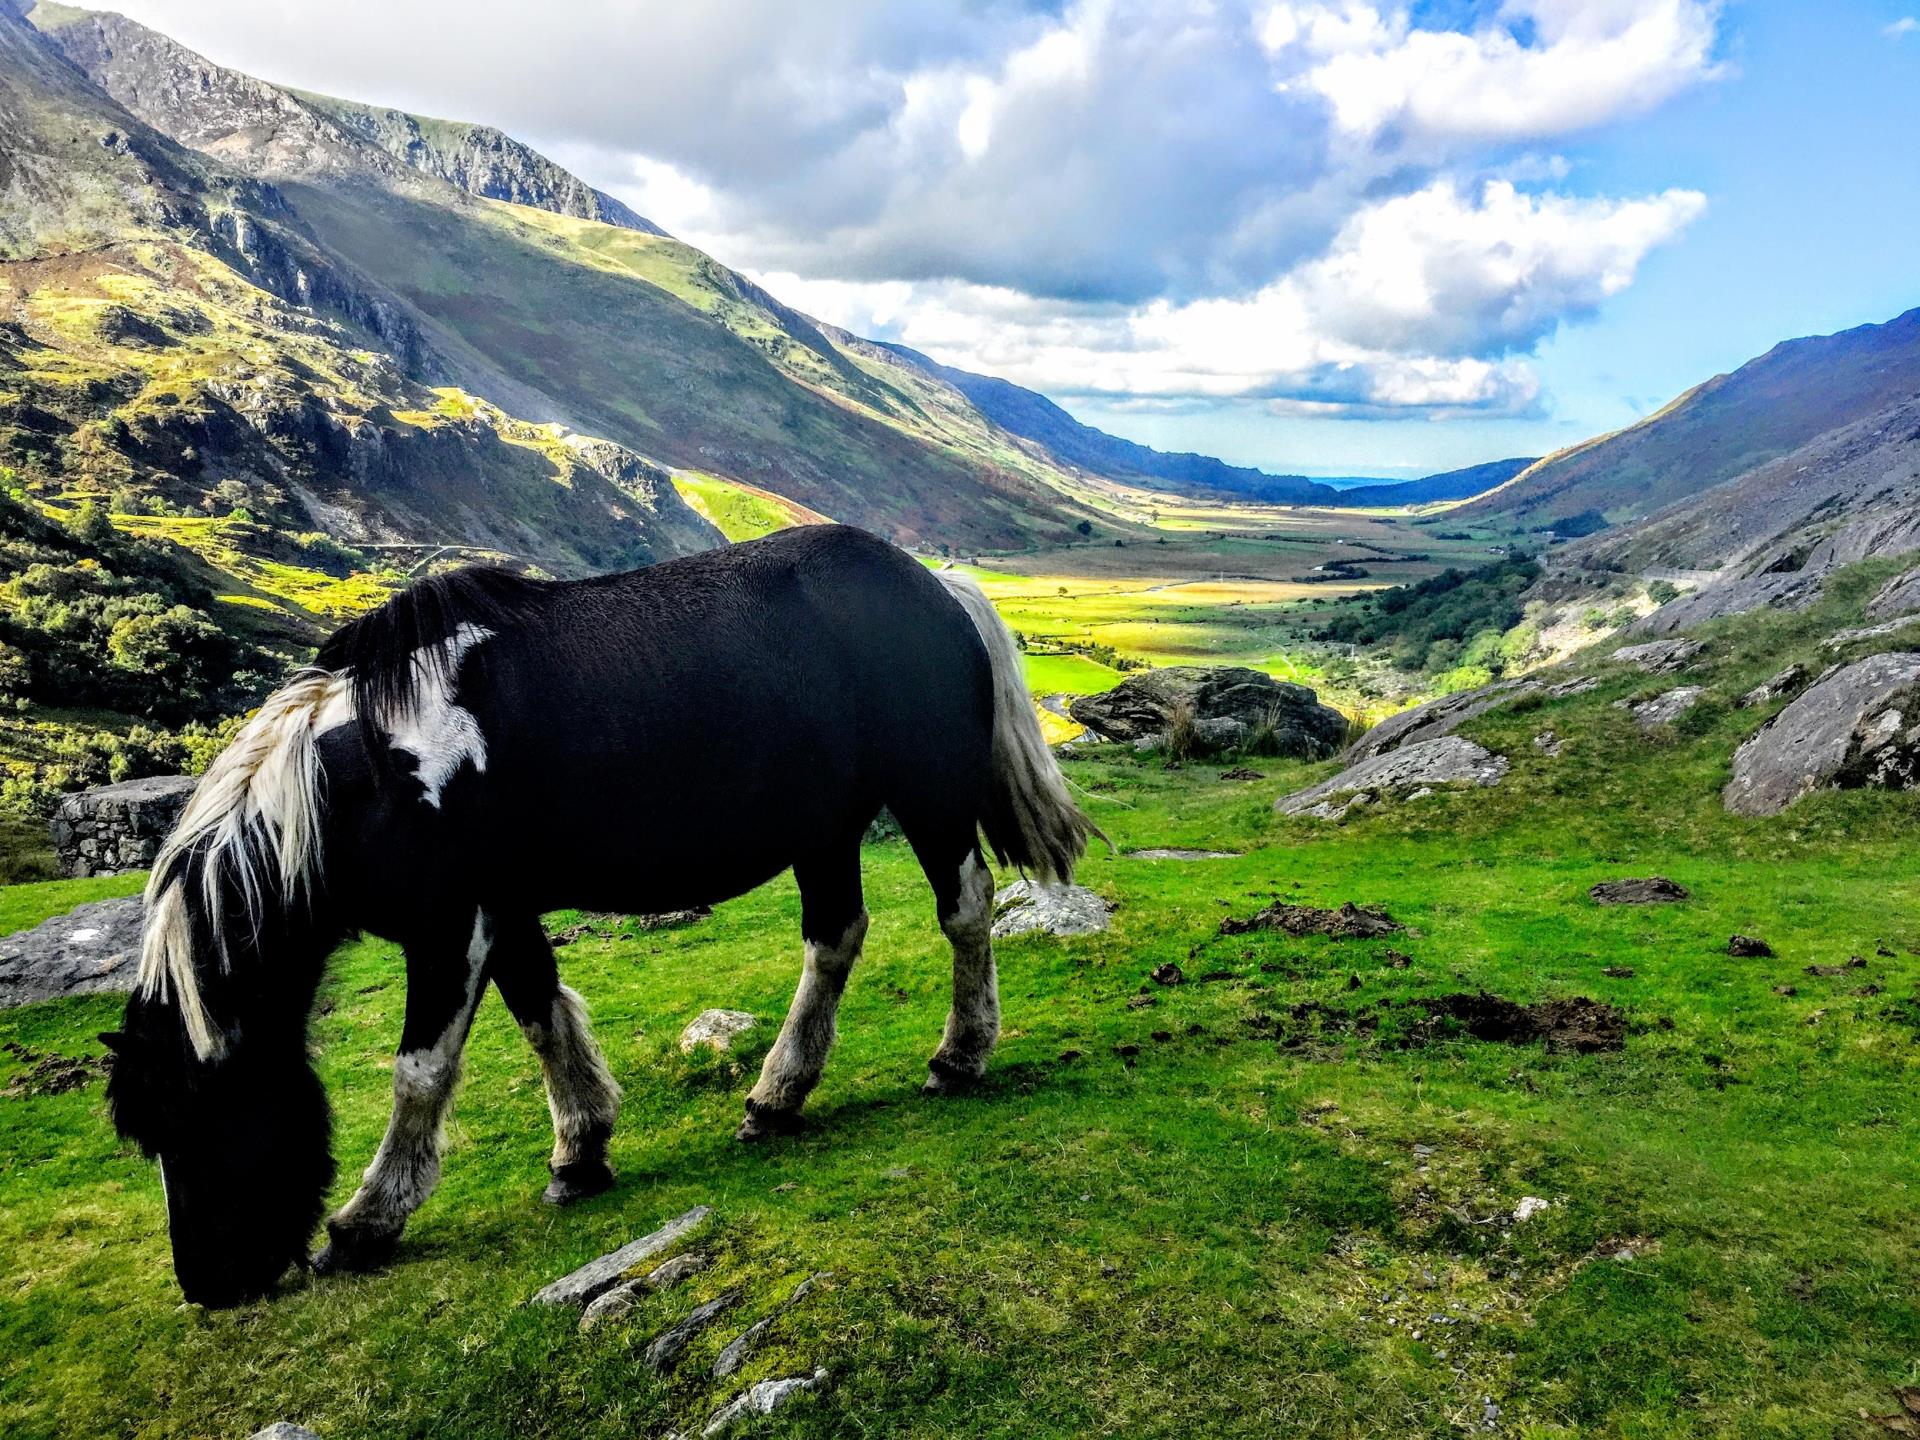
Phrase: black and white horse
(485, 748)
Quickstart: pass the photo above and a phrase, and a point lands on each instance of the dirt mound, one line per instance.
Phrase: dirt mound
(1349, 922)
(1653, 890)
(1576, 1024)
(51, 1074)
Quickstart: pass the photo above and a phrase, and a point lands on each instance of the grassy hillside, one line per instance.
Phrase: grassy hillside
(1796, 391)
(1269, 1202)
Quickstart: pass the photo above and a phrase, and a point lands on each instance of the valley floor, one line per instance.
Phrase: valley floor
(1289, 1211)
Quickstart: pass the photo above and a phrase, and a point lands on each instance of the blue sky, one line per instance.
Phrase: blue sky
(1328, 236)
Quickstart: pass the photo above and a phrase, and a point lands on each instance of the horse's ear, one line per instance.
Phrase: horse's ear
(114, 1040)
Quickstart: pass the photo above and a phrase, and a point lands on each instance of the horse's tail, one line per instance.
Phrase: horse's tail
(1030, 820)
(245, 854)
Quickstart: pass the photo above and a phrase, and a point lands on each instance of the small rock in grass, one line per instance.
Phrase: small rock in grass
(669, 1345)
(1025, 906)
(678, 1269)
(1141, 1002)
(1529, 1206)
(1398, 961)
(1547, 742)
(1168, 974)
(1178, 854)
(1651, 890)
(1617, 972)
(284, 1430)
(762, 1399)
(1815, 1017)
(743, 1344)
(1786, 990)
(716, 1030)
(596, 1277)
(1748, 947)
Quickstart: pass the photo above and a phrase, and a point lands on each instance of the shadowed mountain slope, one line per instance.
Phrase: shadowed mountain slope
(1796, 392)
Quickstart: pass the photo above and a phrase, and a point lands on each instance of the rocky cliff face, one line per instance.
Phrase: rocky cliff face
(479, 160)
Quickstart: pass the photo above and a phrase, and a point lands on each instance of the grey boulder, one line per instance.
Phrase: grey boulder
(1664, 708)
(1857, 727)
(1436, 718)
(763, 1399)
(1659, 657)
(1025, 906)
(716, 1030)
(1228, 702)
(1401, 773)
(596, 1277)
(94, 947)
(1789, 681)
(1899, 596)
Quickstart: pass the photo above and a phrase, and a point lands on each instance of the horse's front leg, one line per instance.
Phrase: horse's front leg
(833, 922)
(581, 1093)
(445, 978)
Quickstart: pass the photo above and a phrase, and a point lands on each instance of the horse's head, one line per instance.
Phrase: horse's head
(242, 1141)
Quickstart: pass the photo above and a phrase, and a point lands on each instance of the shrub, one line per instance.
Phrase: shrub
(1661, 591)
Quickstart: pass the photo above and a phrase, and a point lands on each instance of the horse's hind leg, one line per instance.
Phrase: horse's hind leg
(581, 1093)
(445, 978)
(833, 922)
(963, 896)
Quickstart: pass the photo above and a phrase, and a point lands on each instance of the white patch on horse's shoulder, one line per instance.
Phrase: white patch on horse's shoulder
(440, 735)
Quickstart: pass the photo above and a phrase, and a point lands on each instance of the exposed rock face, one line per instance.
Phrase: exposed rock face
(763, 1399)
(1859, 726)
(1436, 717)
(94, 947)
(1057, 909)
(596, 1277)
(1785, 682)
(668, 1346)
(1730, 597)
(118, 827)
(1449, 760)
(1899, 596)
(480, 160)
(716, 1030)
(1659, 657)
(1665, 708)
(1142, 707)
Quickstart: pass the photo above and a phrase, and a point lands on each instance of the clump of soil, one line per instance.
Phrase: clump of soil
(1748, 947)
(1577, 1024)
(1168, 974)
(1349, 922)
(1652, 890)
(1241, 772)
(51, 1074)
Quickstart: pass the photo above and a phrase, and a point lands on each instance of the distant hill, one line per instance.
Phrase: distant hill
(1796, 392)
(1448, 485)
(1031, 414)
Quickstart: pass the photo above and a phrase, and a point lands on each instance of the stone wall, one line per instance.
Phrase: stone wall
(118, 827)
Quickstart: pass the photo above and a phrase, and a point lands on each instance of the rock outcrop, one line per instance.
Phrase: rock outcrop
(1664, 708)
(1228, 703)
(1398, 774)
(118, 827)
(1436, 718)
(1856, 727)
(1659, 657)
(1789, 681)
(1730, 597)
(95, 947)
(1057, 909)
(1899, 596)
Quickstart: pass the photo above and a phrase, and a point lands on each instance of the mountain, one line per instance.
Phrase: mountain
(565, 320)
(178, 343)
(479, 159)
(1030, 414)
(1448, 485)
(1795, 393)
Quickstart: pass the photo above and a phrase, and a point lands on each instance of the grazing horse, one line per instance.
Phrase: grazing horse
(485, 748)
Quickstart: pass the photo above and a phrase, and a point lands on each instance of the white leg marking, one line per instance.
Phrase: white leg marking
(582, 1095)
(973, 1025)
(407, 1165)
(798, 1056)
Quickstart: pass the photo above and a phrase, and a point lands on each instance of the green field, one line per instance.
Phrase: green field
(1287, 1214)
(1068, 674)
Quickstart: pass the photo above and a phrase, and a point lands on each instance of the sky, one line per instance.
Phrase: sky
(1315, 236)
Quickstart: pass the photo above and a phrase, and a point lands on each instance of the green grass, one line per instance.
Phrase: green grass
(740, 511)
(1071, 674)
(1235, 1235)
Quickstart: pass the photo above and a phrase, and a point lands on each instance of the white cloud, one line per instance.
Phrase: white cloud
(1321, 203)
(1906, 25)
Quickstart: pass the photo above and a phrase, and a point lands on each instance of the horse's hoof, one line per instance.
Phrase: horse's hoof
(350, 1252)
(579, 1181)
(763, 1122)
(946, 1078)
